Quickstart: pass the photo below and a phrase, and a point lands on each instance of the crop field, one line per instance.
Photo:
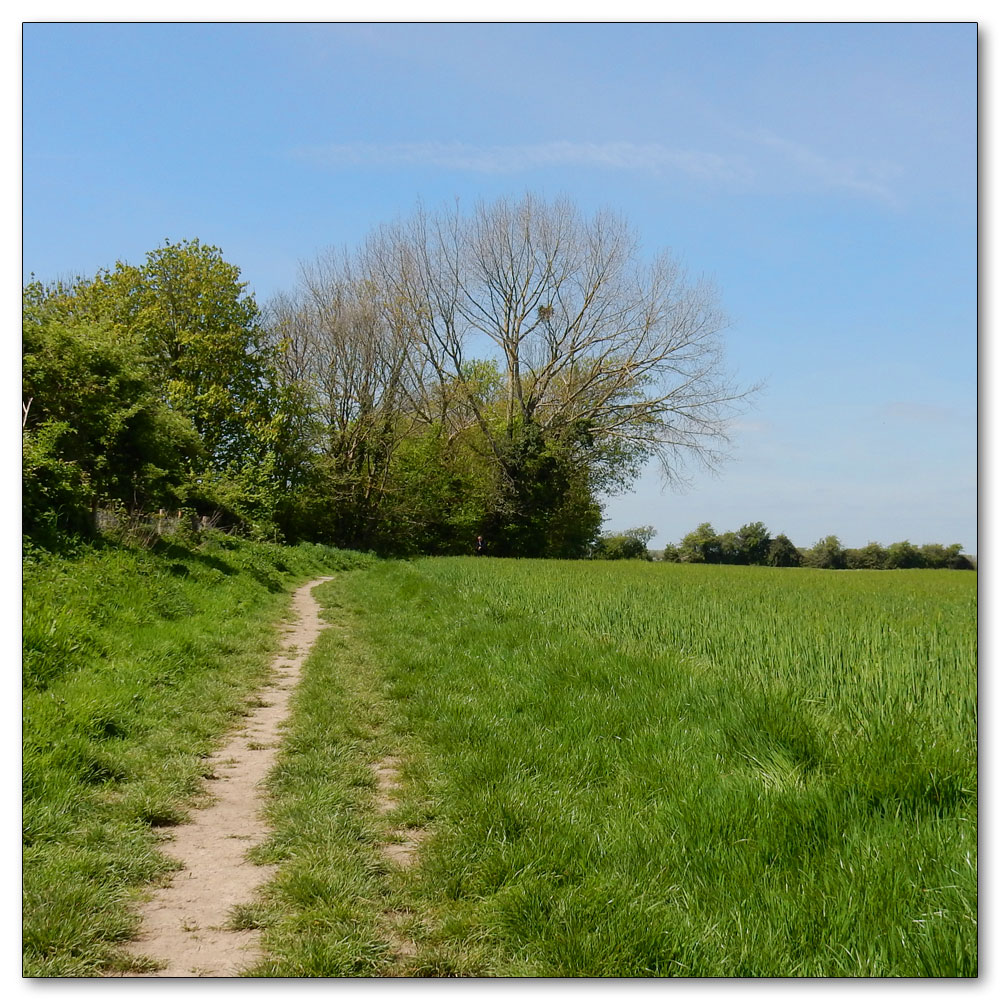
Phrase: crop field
(637, 769)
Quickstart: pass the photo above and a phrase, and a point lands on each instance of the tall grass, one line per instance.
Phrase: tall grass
(135, 662)
(636, 770)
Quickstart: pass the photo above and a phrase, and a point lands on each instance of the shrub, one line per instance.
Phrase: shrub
(629, 544)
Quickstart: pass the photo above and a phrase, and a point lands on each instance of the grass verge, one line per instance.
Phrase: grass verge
(135, 664)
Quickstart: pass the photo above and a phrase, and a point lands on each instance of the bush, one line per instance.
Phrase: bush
(781, 552)
(903, 555)
(827, 553)
(56, 494)
(629, 544)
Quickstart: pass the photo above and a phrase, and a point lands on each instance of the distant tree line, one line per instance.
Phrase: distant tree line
(753, 545)
(493, 373)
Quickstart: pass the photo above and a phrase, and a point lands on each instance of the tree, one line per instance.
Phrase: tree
(754, 543)
(629, 544)
(729, 549)
(954, 559)
(827, 553)
(944, 557)
(385, 451)
(605, 361)
(903, 555)
(202, 334)
(187, 312)
(872, 556)
(95, 429)
(781, 552)
(701, 545)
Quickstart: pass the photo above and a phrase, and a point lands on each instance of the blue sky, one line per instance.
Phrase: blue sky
(822, 175)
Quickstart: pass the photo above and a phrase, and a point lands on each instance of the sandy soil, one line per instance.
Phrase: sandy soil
(184, 923)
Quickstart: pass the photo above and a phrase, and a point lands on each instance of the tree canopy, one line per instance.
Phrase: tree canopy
(151, 385)
(496, 372)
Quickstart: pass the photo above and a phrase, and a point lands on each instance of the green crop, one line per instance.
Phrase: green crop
(670, 770)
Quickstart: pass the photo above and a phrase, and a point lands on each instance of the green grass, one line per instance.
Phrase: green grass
(321, 913)
(643, 770)
(135, 663)
(622, 769)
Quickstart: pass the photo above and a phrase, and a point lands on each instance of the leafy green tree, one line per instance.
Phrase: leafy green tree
(754, 543)
(202, 332)
(186, 311)
(872, 556)
(827, 553)
(781, 552)
(944, 557)
(701, 545)
(935, 556)
(903, 555)
(629, 544)
(729, 549)
(956, 559)
(95, 428)
(544, 502)
(441, 495)
(56, 495)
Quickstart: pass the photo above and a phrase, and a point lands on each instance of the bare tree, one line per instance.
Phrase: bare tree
(534, 352)
(586, 334)
(350, 366)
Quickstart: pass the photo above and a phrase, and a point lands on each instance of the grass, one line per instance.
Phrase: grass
(323, 914)
(638, 771)
(135, 663)
(619, 770)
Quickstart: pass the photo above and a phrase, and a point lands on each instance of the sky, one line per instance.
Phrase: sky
(822, 175)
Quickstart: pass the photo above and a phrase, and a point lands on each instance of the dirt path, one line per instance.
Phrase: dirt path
(184, 923)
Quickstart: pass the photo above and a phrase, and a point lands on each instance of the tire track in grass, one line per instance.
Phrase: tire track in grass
(184, 924)
(400, 848)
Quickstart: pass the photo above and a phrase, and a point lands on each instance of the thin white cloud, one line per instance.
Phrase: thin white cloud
(870, 179)
(650, 157)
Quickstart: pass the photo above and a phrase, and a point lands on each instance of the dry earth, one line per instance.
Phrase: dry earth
(184, 923)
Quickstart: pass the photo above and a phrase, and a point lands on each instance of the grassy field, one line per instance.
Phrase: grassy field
(135, 662)
(634, 770)
(619, 769)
